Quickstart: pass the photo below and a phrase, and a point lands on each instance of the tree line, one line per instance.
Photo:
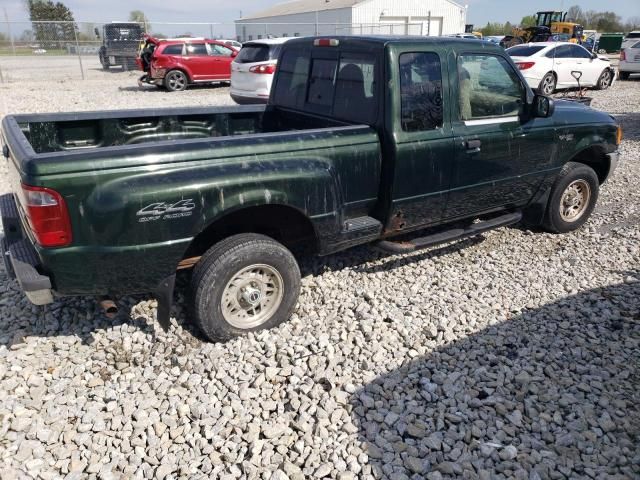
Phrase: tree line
(603, 22)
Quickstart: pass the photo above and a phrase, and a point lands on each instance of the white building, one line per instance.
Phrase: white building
(354, 17)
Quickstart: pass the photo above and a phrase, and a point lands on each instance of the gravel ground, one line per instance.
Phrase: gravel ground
(514, 355)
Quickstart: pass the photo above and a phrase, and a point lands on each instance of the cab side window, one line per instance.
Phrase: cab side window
(420, 91)
(488, 87)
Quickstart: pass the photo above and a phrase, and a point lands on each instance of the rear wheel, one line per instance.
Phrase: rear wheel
(573, 198)
(547, 84)
(623, 75)
(176, 81)
(245, 283)
(605, 80)
(104, 61)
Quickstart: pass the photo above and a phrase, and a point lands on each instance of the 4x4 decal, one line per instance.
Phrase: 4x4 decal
(166, 211)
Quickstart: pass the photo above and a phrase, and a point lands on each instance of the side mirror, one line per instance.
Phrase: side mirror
(97, 32)
(594, 55)
(543, 106)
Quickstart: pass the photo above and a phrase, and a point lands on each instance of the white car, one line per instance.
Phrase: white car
(252, 70)
(631, 38)
(232, 43)
(549, 66)
(629, 60)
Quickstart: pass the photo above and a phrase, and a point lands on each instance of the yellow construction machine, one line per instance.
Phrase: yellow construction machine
(549, 25)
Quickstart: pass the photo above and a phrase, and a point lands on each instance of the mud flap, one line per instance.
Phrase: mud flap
(164, 295)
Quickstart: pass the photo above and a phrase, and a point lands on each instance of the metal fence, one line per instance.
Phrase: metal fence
(31, 51)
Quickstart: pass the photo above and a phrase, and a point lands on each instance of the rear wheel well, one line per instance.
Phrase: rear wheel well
(596, 158)
(285, 224)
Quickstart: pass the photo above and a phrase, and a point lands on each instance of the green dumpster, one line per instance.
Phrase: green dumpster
(610, 42)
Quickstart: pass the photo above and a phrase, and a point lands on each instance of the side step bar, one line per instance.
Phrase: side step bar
(449, 235)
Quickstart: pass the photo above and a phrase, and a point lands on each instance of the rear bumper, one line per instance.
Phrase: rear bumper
(631, 67)
(19, 255)
(249, 99)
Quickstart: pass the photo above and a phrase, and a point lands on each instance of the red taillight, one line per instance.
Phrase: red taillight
(525, 65)
(266, 69)
(623, 56)
(326, 42)
(47, 215)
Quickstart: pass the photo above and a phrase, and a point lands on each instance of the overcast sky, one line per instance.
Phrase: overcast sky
(480, 11)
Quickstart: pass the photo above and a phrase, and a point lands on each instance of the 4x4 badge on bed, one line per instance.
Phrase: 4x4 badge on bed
(166, 211)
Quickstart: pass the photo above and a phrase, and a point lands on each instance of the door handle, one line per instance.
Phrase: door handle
(473, 146)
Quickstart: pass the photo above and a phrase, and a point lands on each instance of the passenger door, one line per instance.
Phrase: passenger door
(563, 64)
(590, 68)
(196, 59)
(500, 154)
(422, 144)
(220, 60)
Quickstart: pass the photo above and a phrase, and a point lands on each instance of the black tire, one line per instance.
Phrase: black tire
(176, 81)
(572, 174)
(624, 75)
(547, 84)
(226, 260)
(104, 61)
(605, 79)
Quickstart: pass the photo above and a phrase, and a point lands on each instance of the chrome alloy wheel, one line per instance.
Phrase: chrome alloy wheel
(252, 296)
(177, 81)
(548, 84)
(575, 200)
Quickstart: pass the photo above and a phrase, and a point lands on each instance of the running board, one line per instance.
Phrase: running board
(449, 235)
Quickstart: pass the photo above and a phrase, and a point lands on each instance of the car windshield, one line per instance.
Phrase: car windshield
(523, 50)
(255, 53)
(633, 35)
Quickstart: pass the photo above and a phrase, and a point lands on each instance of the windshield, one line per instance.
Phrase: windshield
(523, 50)
(255, 53)
(633, 35)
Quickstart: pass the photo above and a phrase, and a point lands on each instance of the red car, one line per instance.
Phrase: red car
(177, 63)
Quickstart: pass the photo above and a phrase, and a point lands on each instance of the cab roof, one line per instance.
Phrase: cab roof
(382, 40)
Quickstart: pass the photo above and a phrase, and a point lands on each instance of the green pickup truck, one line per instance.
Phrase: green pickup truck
(364, 139)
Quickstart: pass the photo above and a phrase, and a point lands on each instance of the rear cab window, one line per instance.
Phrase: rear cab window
(329, 81)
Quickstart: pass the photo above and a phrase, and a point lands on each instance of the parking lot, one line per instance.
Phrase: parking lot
(512, 355)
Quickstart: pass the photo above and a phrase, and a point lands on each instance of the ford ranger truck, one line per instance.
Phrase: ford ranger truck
(364, 140)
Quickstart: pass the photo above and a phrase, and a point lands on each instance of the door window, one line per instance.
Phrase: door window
(420, 91)
(172, 50)
(196, 49)
(563, 51)
(219, 50)
(578, 52)
(488, 87)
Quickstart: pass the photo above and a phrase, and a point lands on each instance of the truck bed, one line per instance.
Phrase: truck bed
(66, 132)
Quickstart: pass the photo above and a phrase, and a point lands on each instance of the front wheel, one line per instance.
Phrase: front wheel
(547, 84)
(175, 81)
(605, 80)
(573, 198)
(245, 283)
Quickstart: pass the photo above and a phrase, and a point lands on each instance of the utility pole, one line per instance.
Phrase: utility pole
(6, 19)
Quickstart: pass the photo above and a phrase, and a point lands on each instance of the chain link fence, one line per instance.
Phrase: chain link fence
(58, 51)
